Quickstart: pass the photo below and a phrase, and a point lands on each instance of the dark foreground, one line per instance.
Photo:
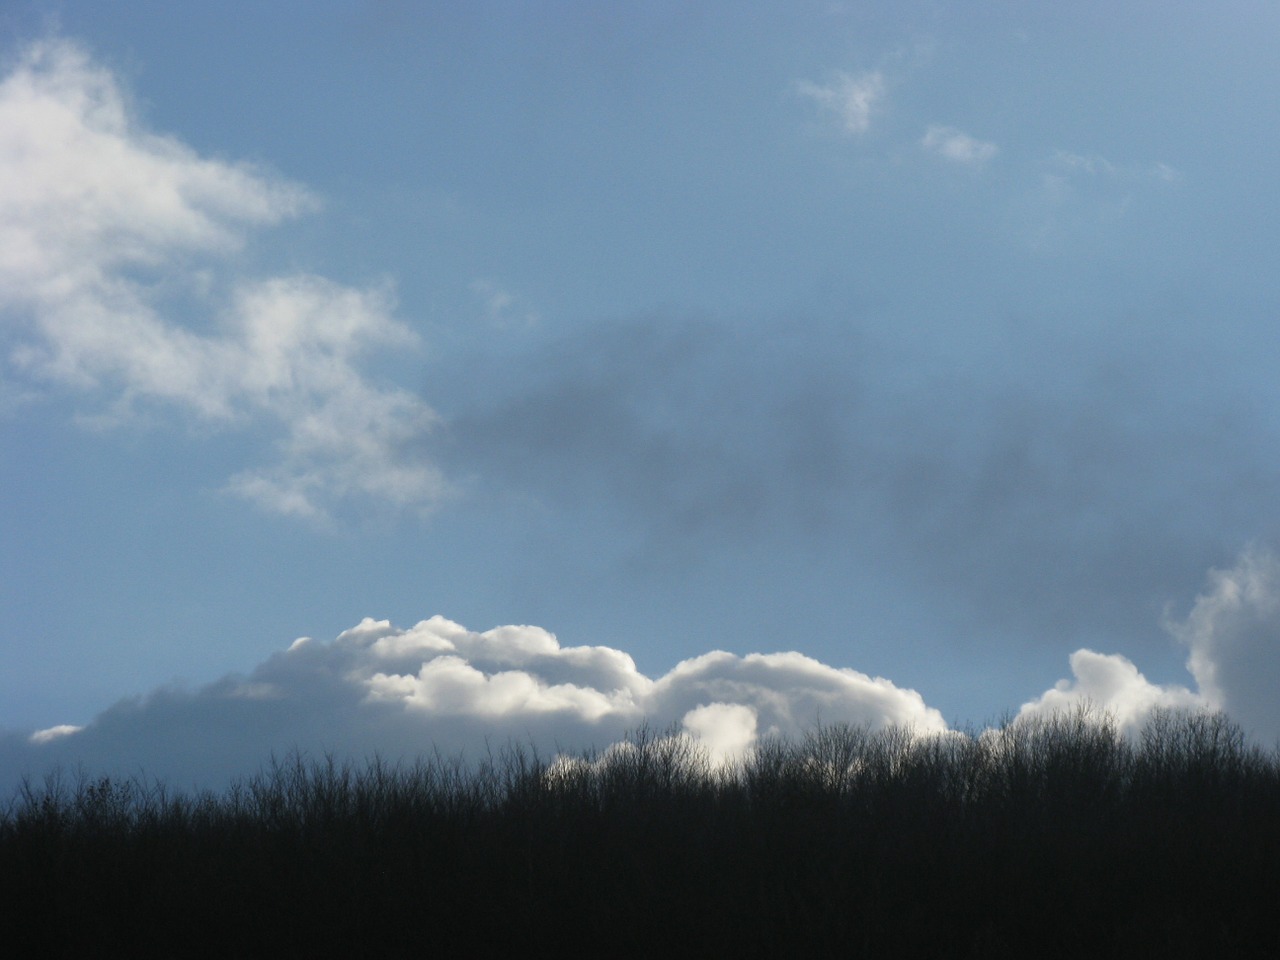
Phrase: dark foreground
(1052, 840)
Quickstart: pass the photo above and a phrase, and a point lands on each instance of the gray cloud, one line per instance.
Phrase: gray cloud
(1232, 634)
(1071, 496)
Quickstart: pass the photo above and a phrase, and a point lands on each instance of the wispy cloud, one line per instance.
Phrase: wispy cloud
(955, 145)
(1094, 165)
(108, 235)
(1086, 191)
(501, 307)
(850, 99)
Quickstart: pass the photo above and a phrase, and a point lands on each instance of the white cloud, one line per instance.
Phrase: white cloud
(956, 145)
(789, 691)
(439, 685)
(727, 731)
(53, 733)
(1233, 639)
(103, 222)
(1112, 684)
(850, 99)
(85, 191)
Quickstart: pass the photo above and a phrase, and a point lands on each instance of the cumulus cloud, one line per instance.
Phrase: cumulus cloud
(105, 227)
(789, 691)
(958, 146)
(1111, 683)
(850, 99)
(437, 685)
(727, 731)
(1232, 635)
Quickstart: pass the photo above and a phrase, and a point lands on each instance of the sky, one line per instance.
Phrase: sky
(396, 376)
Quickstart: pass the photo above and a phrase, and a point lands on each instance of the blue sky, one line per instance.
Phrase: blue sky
(912, 341)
